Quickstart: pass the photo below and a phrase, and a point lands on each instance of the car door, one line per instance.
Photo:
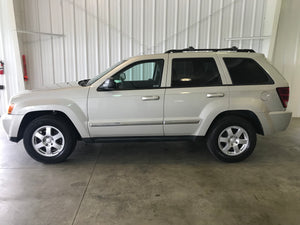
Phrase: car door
(135, 105)
(195, 95)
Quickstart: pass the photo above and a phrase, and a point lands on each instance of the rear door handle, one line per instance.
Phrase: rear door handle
(215, 95)
(150, 98)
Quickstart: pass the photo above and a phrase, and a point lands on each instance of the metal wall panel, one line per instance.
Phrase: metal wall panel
(57, 42)
(12, 80)
(287, 51)
(90, 35)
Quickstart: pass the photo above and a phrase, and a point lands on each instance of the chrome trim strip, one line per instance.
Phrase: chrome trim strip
(112, 124)
(143, 123)
(192, 121)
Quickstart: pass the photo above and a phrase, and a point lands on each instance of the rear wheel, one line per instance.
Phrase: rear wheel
(49, 139)
(231, 139)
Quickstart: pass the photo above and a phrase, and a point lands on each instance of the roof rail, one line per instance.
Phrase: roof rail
(192, 49)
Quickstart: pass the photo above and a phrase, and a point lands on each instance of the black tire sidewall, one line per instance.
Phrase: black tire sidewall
(62, 126)
(219, 126)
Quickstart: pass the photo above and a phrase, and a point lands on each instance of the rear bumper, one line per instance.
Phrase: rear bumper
(11, 125)
(274, 122)
(280, 120)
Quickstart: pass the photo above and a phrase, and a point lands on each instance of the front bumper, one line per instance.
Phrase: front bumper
(11, 124)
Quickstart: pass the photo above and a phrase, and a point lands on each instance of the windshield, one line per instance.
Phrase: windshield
(94, 79)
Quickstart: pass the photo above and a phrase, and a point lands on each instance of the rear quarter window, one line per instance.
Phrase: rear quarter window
(246, 71)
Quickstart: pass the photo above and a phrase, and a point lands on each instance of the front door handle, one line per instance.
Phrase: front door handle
(150, 98)
(215, 95)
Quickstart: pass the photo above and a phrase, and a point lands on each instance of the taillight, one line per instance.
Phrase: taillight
(284, 93)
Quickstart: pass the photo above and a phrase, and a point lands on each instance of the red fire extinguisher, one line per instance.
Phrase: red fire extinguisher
(1, 67)
(24, 68)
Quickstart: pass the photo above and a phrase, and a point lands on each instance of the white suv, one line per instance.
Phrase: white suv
(227, 95)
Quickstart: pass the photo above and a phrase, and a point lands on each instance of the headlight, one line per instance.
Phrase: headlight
(10, 108)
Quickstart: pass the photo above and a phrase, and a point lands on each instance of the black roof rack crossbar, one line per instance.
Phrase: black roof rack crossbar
(192, 49)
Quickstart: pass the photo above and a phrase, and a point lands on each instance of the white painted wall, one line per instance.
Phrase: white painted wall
(10, 54)
(287, 50)
(90, 35)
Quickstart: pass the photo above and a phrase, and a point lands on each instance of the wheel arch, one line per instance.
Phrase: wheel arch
(245, 114)
(33, 115)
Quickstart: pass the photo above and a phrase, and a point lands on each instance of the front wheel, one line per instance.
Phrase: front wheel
(49, 139)
(231, 139)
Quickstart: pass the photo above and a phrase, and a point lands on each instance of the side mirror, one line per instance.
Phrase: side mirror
(122, 76)
(108, 85)
(83, 82)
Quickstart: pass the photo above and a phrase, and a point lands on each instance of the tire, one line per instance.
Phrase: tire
(231, 139)
(49, 139)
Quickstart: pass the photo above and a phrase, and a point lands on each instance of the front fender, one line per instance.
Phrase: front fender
(76, 112)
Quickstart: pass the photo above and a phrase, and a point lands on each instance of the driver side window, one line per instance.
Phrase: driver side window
(140, 75)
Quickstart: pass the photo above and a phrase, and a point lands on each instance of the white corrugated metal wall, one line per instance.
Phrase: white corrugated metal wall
(66, 40)
(12, 79)
(287, 51)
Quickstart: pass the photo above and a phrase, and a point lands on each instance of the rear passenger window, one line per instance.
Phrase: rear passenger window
(195, 72)
(245, 71)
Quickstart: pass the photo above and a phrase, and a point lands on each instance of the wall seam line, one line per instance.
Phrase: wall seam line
(52, 49)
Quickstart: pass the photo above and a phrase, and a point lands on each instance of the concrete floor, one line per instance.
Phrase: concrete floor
(153, 183)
